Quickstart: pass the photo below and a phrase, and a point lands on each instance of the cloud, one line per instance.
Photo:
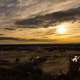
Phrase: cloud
(1, 34)
(12, 10)
(8, 7)
(50, 19)
(27, 40)
(10, 29)
(11, 38)
(36, 20)
(28, 8)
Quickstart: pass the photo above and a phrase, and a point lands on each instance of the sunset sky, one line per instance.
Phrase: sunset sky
(39, 21)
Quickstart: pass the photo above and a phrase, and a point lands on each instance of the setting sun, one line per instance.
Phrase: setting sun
(61, 29)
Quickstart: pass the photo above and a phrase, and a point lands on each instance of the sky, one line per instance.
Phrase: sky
(39, 21)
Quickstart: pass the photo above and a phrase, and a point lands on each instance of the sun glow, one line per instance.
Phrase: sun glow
(61, 29)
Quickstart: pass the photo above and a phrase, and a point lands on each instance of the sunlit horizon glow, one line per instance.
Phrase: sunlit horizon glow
(66, 32)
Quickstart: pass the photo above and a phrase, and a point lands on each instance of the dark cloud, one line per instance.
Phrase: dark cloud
(26, 40)
(50, 19)
(10, 29)
(1, 34)
(11, 38)
(11, 10)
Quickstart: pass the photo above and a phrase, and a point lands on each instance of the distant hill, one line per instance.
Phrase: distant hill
(75, 46)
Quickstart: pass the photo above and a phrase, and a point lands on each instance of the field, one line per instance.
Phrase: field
(50, 59)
